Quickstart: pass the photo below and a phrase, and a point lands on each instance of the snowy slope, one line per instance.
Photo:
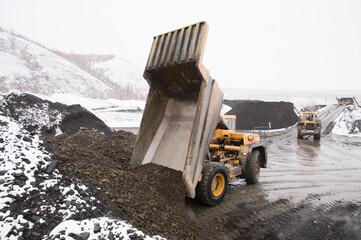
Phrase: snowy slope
(122, 73)
(348, 122)
(27, 67)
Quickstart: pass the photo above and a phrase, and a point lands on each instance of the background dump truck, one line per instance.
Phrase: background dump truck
(309, 126)
(181, 117)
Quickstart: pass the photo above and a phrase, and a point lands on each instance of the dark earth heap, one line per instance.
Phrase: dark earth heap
(151, 197)
(25, 108)
(251, 114)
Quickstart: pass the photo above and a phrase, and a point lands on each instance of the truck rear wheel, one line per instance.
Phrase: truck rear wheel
(253, 167)
(213, 186)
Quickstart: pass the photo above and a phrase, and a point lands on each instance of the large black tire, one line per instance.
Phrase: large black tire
(213, 186)
(317, 136)
(253, 167)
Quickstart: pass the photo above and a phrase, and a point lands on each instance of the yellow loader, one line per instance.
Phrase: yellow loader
(181, 127)
(309, 126)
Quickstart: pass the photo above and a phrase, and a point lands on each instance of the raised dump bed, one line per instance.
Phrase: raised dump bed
(183, 105)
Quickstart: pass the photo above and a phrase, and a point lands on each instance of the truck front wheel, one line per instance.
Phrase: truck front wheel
(213, 186)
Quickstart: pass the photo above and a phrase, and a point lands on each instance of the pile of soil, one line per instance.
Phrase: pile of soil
(251, 114)
(151, 197)
(37, 114)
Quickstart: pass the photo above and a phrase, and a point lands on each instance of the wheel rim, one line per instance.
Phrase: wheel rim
(218, 184)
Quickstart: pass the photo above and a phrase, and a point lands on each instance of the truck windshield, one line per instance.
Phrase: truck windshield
(231, 123)
(308, 117)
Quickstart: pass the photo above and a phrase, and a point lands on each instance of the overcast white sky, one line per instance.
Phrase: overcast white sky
(277, 45)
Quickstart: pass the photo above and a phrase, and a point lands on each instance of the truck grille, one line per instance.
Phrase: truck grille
(310, 126)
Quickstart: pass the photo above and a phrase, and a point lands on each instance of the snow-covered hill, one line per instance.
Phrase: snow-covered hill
(122, 73)
(27, 67)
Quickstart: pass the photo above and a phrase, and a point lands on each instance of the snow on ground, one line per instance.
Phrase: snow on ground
(114, 112)
(98, 228)
(32, 197)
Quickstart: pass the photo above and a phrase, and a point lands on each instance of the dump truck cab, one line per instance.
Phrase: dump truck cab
(309, 126)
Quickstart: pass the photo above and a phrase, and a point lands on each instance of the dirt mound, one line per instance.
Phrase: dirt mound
(151, 197)
(251, 114)
(37, 114)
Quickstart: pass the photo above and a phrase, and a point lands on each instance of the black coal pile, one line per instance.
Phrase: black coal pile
(251, 114)
(151, 197)
(36, 114)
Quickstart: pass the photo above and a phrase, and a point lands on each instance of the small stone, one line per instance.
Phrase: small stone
(96, 228)
(85, 235)
(34, 210)
(35, 218)
(1, 140)
(26, 160)
(67, 203)
(36, 234)
(13, 207)
(27, 139)
(111, 236)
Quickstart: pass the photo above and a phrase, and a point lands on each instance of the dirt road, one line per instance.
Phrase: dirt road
(310, 190)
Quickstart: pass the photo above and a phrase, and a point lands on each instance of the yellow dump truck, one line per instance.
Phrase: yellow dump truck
(309, 126)
(181, 117)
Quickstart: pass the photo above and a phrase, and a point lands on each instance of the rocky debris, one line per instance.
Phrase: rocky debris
(151, 197)
(251, 114)
(36, 114)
